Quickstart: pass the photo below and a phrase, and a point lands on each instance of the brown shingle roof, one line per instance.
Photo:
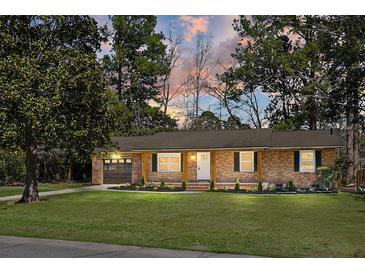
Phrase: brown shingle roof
(225, 139)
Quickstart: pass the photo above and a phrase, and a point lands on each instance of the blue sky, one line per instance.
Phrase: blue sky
(223, 39)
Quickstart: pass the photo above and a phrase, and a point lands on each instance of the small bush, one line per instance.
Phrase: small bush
(12, 166)
(155, 188)
(137, 187)
(259, 187)
(237, 186)
(212, 186)
(225, 188)
(162, 183)
(291, 186)
(141, 182)
(183, 185)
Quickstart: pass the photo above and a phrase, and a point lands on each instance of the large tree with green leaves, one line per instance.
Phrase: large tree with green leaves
(313, 66)
(137, 63)
(52, 90)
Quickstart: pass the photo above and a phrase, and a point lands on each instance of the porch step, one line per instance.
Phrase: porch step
(198, 187)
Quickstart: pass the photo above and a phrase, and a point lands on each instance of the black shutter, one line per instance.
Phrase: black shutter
(296, 161)
(154, 162)
(318, 158)
(182, 162)
(236, 162)
(255, 161)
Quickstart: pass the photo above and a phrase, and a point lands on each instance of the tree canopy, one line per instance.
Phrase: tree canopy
(52, 90)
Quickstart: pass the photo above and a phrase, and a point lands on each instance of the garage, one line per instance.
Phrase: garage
(117, 171)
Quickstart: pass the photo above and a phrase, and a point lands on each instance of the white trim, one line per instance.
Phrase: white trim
(313, 161)
(252, 162)
(168, 155)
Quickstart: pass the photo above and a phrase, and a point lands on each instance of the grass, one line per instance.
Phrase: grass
(42, 187)
(327, 225)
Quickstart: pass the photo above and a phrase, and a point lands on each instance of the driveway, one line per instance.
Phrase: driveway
(16, 247)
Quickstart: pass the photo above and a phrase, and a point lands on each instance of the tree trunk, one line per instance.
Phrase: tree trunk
(30, 193)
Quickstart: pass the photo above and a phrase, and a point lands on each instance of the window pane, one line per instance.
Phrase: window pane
(164, 160)
(169, 162)
(307, 166)
(107, 161)
(307, 156)
(203, 157)
(174, 160)
(115, 161)
(246, 156)
(174, 167)
(246, 166)
(163, 167)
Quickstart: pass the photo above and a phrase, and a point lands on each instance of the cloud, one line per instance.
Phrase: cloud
(194, 25)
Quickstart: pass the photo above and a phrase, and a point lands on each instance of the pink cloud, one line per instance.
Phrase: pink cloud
(194, 25)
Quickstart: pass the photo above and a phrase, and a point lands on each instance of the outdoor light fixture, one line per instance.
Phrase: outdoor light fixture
(115, 156)
(192, 157)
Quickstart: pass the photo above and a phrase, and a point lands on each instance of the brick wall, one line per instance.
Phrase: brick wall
(97, 171)
(136, 167)
(278, 167)
(225, 169)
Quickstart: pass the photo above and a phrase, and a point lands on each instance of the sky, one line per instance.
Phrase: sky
(223, 42)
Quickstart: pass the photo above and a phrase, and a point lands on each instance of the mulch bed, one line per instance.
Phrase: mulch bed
(148, 188)
(275, 192)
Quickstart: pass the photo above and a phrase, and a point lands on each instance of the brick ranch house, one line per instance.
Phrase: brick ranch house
(197, 157)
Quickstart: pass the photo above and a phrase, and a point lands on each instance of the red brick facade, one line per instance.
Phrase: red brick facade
(277, 167)
(225, 172)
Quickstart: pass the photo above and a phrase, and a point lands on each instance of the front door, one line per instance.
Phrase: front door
(203, 166)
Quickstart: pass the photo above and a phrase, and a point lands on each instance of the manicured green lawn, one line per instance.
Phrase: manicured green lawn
(17, 190)
(266, 225)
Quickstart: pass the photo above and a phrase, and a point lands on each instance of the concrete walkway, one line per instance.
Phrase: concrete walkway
(16, 247)
(56, 192)
(87, 188)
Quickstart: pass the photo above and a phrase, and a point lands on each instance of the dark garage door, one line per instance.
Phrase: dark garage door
(117, 171)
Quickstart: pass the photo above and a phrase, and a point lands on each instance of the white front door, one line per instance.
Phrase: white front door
(203, 165)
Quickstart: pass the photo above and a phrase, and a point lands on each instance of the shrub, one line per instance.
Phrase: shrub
(341, 165)
(155, 188)
(291, 186)
(225, 188)
(183, 185)
(162, 183)
(237, 186)
(137, 187)
(141, 182)
(259, 187)
(325, 176)
(12, 166)
(212, 186)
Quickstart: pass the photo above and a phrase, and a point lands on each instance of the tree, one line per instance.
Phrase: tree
(173, 58)
(273, 59)
(52, 91)
(235, 98)
(137, 62)
(314, 66)
(196, 83)
(207, 121)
